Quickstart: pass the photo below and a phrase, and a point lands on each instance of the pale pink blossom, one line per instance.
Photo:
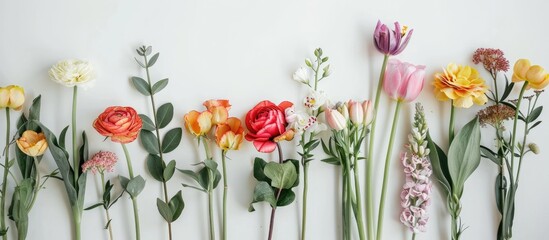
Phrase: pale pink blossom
(100, 162)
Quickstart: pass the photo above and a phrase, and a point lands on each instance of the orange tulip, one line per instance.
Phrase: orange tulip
(219, 109)
(32, 143)
(198, 123)
(230, 134)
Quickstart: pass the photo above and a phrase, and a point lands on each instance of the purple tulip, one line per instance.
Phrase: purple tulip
(403, 81)
(389, 42)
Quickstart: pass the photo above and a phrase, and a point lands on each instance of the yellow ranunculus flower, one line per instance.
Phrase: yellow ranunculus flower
(32, 143)
(462, 84)
(12, 96)
(536, 76)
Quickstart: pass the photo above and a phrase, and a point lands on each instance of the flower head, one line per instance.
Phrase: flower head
(315, 100)
(301, 75)
(335, 119)
(72, 72)
(198, 123)
(494, 115)
(462, 84)
(302, 122)
(31, 143)
(100, 162)
(492, 59)
(121, 124)
(266, 123)
(12, 96)
(219, 109)
(403, 81)
(391, 42)
(229, 135)
(416, 192)
(535, 75)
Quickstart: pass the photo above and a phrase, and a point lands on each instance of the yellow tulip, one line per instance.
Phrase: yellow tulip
(520, 69)
(12, 97)
(537, 77)
(229, 135)
(32, 143)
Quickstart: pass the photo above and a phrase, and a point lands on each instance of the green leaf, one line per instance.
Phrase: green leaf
(197, 177)
(464, 155)
(153, 59)
(155, 165)
(140, 63)
(171, 140)
(164, 115)
(83, 152)
(534, 114)
(135, 186)
(177, 205)
(439, 163)
(259, 174)
(489, 154)
(158, 86)
(282, 175)
(169, 170)
(149, 141)
(148, 51)
(34, 113)
(62, 137)
(141, 85)
(94, 206)
(210, 164)
(534, 125)
(263, 192)
(332, 160)
(287, 196)
(147, 123)
(164, 210)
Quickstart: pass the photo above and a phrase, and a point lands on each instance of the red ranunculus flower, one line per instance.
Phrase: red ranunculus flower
(266, 124)
(121, 124)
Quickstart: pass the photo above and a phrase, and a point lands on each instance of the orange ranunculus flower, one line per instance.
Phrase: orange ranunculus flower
(462, 84)
(219, 109)
(32, 143)
(198, 123)
(229, 135)
(536, 76)
(12, 96)
(121, 124)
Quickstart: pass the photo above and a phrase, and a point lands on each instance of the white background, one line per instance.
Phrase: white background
(246, 51)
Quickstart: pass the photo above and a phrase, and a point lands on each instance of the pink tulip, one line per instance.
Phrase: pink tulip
(335, 119)
(403, 81)
(356, 112)
(391, 42)
(368, 110)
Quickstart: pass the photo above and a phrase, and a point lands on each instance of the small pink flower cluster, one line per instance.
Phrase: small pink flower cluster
(100, 162)
(416, 192)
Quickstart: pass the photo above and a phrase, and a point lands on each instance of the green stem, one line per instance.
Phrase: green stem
(5, 176)
(225, 191)
(525, 135)
(36, 182)
(305, 190)
(369, 162)
(344, 208)
(109, 226)
(134, 200)
(360, 221)
(273, 209)
(414, 236)
(77, 218)
(386, 172)
(210, 211)
(451, 126)
(455, 228)
(76, 162)
(210, 189)
(164, 184)
(513, 137)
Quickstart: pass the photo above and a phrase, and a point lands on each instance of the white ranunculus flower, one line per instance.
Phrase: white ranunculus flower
(301, 75)
(74, 72)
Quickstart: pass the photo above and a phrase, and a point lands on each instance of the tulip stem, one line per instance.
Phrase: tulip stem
(37, 186)
(134, 199)
(225, 191)
(76, 162)
(386, 171)
(5, 176)
(369, 162)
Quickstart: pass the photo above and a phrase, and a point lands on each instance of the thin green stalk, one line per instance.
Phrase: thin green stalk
(37, 186)
(513, 137)
(164, 185)
(451, 126)
(206, 145)
(525, 135)
(386, 172)
(225, 191)
(305, 190)
(210, 210)
(273, 209)
(76, 162)
(360, 221)
(414, 236)
(369, 162)
(134, 200)
(455, 228)
(5, 176)
(109, 226)
(344, 209)
(77, 218)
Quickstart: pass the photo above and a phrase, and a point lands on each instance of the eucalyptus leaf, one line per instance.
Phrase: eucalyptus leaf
(158, 86)
(176, 205)
(149, 141)
(282, 175)
(259, 165)
(140, 63)
(135, 186)
(147, 123)
(164, 210)
(155, 165)
(169, 170)
(287, 196)
(164, 115)
(171, 140)
(464, 155)
(263, 192)
(141, 85)
(153, 59)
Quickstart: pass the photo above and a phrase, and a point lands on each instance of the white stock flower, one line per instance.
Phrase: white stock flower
(302, 122)
(72, 72)
(315, 99)
(301, 75)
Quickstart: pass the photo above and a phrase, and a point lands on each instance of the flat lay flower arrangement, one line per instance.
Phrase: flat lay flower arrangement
(325, 131)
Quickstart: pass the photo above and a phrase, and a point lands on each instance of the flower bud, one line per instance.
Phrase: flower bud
(308, 62)
(32, 143)
(301, 75)
(356, 112)
(534, 148)
(368, 110)
(335, 119)
(12, 97)
(343, 109)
